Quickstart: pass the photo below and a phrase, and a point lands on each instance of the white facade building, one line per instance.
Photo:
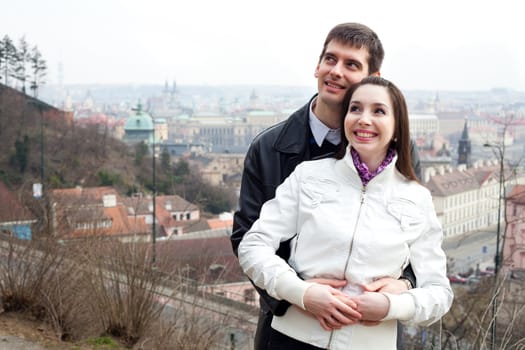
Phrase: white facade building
(423, 125)
(467, 199)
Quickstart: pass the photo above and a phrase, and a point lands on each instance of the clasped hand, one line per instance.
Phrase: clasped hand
(334, 309)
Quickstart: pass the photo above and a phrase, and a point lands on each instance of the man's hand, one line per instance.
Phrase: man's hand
(386, 285)
(372, 306)
(332, 308)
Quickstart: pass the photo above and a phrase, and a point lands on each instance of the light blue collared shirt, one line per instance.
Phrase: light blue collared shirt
(321, 131)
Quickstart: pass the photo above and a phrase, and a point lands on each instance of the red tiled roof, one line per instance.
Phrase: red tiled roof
(457, 181)
(207, 258)
(87, 194)
(10, 207)
(141, 205)
(218, 223)
(86, 205)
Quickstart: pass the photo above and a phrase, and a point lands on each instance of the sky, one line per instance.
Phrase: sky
(430, 45)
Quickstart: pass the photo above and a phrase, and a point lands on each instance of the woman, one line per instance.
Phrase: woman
(359, 217)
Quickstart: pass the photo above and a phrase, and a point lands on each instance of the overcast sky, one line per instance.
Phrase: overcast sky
(431, 45)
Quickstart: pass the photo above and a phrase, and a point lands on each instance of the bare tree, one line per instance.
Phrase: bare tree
(9, 56)
(1, 57)
(21, 61)
(38, 70)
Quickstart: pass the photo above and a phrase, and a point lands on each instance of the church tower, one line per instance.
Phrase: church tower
(464, 147)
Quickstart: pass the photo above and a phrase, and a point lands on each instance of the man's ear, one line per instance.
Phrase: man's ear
(316, 73)
(376, 74)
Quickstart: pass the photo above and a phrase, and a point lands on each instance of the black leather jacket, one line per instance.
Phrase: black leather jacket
(272, 156)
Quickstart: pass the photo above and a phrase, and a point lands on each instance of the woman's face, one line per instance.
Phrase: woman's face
(369, 123)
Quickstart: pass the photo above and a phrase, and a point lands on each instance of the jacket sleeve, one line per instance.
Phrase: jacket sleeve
(432, 297)
(257, 251)
(251, 199)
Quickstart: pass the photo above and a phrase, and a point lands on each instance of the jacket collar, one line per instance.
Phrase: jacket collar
(293, 136)
(346, 168)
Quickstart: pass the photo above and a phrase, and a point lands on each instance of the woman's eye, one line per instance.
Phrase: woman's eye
(380, 111)
(354, 108)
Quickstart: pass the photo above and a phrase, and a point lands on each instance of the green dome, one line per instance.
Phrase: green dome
(139, 121)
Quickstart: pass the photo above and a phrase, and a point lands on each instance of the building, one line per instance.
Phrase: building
(173, 214)
(101, 211)
(514, 242)
(464, 148)
(161, 130)
(467, 199)
(139, 128)
(95, 211)
(15, 219)
(218, 169)
(222, 132)
(423, 125)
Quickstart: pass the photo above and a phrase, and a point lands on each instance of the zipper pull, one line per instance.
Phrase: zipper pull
(363, 191)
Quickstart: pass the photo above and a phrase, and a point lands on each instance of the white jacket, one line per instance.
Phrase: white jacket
(346, 231)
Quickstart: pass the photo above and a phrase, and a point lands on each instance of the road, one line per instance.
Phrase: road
(471, 249)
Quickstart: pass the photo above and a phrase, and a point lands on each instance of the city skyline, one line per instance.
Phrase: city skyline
(446, 45)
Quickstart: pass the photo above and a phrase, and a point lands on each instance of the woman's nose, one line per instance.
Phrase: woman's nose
(364, 119)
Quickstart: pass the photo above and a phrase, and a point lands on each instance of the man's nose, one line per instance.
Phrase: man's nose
(337, 69)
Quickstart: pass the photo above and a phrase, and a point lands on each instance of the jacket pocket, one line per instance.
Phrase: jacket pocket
(411, 219)
(315, 191)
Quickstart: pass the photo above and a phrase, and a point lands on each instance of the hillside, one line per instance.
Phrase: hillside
(72, 156)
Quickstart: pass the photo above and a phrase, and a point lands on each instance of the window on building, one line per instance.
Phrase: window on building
(104, 223)
(249, 295)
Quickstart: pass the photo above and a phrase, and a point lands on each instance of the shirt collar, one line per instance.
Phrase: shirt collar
(320, 131)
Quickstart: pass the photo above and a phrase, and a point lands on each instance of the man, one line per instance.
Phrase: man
(350, 53)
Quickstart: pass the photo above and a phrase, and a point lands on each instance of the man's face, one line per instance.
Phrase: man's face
(340, 67)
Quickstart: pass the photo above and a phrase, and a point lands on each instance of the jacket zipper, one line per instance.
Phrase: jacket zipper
(363, 193)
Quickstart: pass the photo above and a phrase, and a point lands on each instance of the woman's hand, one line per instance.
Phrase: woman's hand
(373, 313)
(330, 306)
(387, 285)
(372, 306)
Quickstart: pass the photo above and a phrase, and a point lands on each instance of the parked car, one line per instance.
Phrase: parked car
(518, 274)
(486, 273)
(457, 279)
(473, 279)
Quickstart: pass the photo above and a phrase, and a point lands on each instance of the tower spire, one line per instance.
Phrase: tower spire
(464, 147)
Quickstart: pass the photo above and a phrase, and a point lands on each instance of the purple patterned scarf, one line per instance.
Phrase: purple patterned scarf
(362, 169)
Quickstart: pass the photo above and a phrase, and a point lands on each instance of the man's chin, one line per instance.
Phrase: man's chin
(332, 99)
